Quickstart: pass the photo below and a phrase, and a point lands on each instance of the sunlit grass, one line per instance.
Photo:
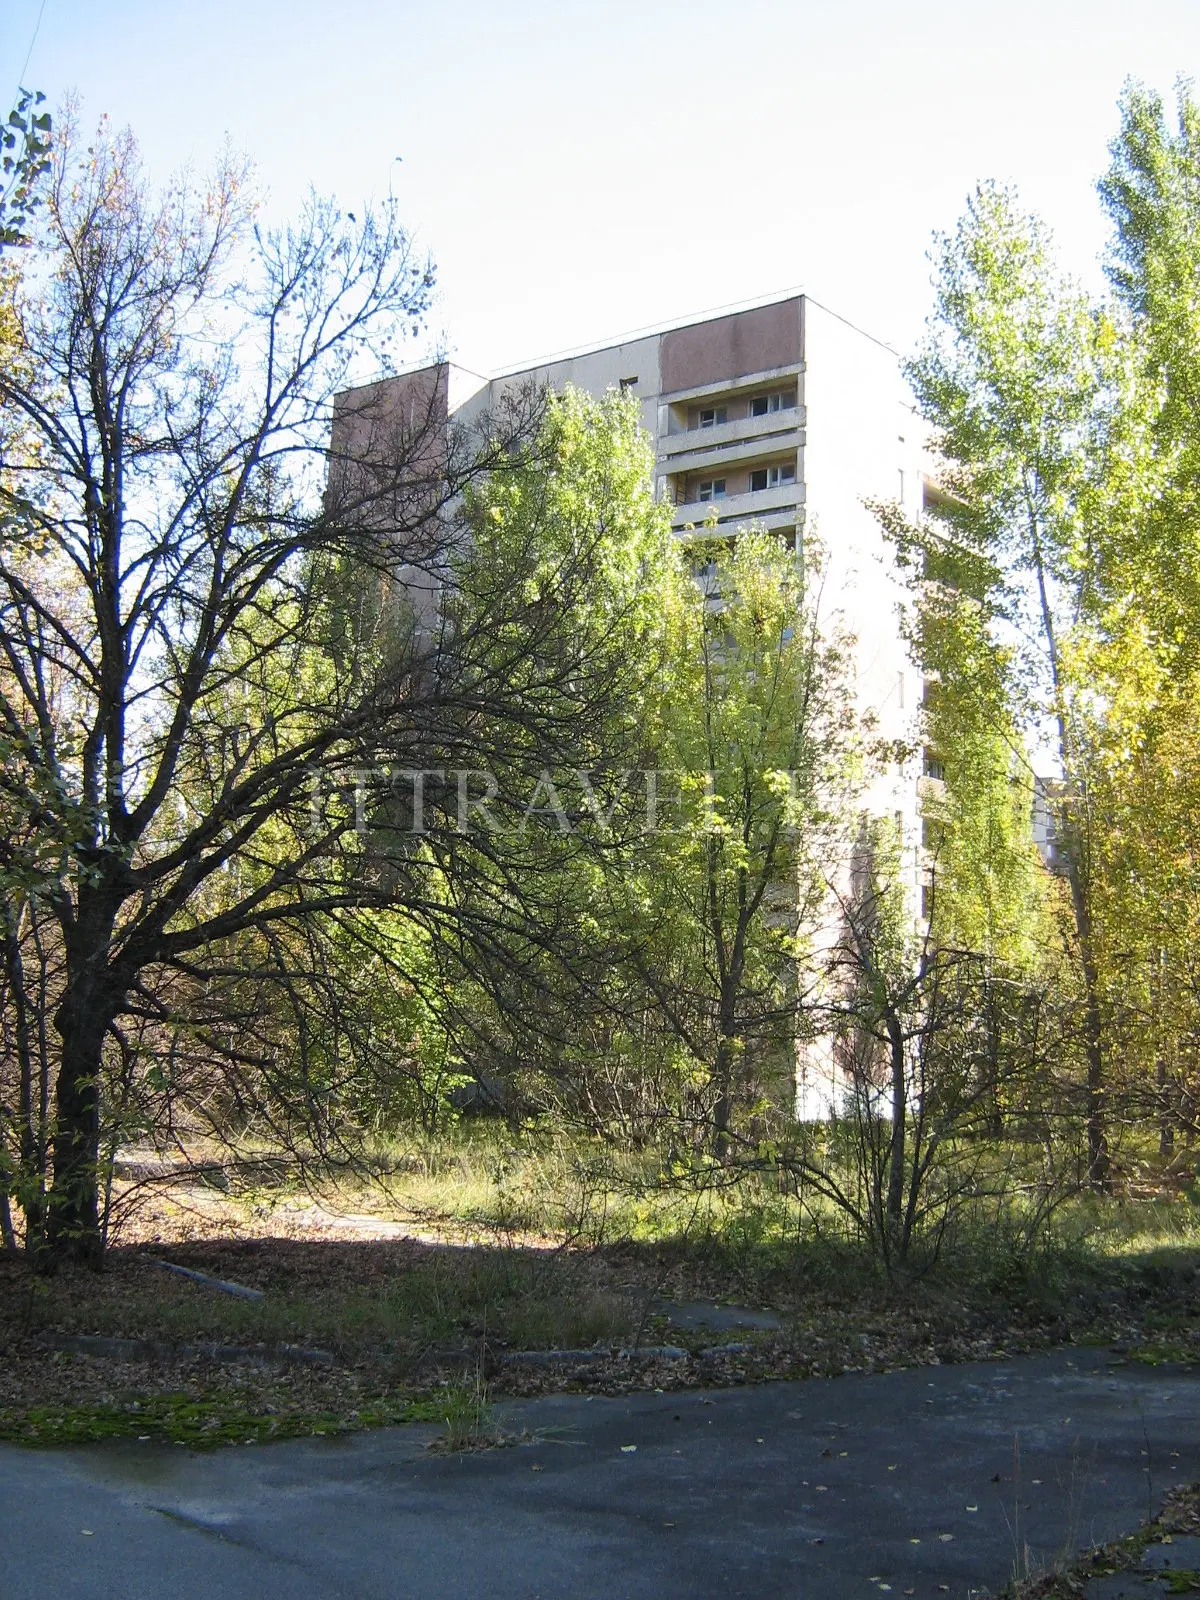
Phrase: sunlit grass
(518, 1199)
(509, 1183)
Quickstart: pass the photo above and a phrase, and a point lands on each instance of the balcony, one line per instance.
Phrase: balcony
(780, 428)
(775, 508)
(751, 453)
(766, 378)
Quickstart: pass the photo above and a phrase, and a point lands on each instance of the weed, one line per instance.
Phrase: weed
(468, 1417)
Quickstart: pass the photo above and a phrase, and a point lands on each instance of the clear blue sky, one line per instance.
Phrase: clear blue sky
(582, 169)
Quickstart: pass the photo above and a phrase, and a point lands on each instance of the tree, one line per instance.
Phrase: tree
(977, 797)
(1021, 378)
(755, 750)
(525, 1008)
(928, 1036)
(192, 709)
(988, 894)
(1144, 657)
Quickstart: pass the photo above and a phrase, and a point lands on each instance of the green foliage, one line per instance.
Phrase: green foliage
(577, 492)
(988, 893)
(24, 162)
(751, 730)
(567, 528)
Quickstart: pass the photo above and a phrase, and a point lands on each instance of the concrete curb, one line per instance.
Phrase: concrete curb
(546, 1358)
(163, 1350)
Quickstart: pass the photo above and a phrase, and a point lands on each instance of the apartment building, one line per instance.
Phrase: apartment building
(784, 415)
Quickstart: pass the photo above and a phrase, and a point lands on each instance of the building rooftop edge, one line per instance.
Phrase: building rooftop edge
(691, 319)
(633, 335)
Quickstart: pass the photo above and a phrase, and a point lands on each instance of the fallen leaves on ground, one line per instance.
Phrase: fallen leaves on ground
(403, 1313)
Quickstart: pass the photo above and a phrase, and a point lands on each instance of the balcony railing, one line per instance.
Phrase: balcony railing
(740, 507)
(741, 429)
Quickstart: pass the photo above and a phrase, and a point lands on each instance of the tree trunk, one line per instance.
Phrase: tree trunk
(1166, 1124)
(995, 1110)
(726, 1063)
(73, 1204)
(1162, 1074)
(89, 1005)
(31, 1174)
(896, 1147)
(8, 1235)
(1093, 1027)
(1097, 1119)
(723, 1109)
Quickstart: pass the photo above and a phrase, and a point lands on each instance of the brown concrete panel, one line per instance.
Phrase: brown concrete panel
(731, 347)
(387, 467)
(378, 421)
(388, 444)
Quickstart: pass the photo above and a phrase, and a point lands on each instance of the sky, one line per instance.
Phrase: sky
(579, 171)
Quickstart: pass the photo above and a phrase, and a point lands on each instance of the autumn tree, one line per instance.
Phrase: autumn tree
(1020, 377)
(194, 712)
(1143, 661)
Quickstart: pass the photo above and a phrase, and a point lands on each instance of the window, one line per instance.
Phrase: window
(763, 404)
(933, 767)
(771, 477)
(627, 384)
(713, 417)
(711, 489)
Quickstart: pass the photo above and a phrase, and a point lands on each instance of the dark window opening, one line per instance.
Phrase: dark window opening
(771, 477)
(763, 404)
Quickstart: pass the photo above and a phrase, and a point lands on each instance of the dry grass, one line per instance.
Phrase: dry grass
(1070, 1580)
(428, 1279)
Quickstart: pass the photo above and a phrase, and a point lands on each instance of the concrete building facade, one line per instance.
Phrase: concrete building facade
(784, 415)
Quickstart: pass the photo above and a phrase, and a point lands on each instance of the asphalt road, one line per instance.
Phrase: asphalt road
(930, 1481)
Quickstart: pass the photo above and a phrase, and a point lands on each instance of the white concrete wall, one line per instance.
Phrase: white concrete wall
(862, 444)
(594, 372)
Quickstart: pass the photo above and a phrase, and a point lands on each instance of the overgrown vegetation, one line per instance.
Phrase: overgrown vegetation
(487, 1248)
(406, 808)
